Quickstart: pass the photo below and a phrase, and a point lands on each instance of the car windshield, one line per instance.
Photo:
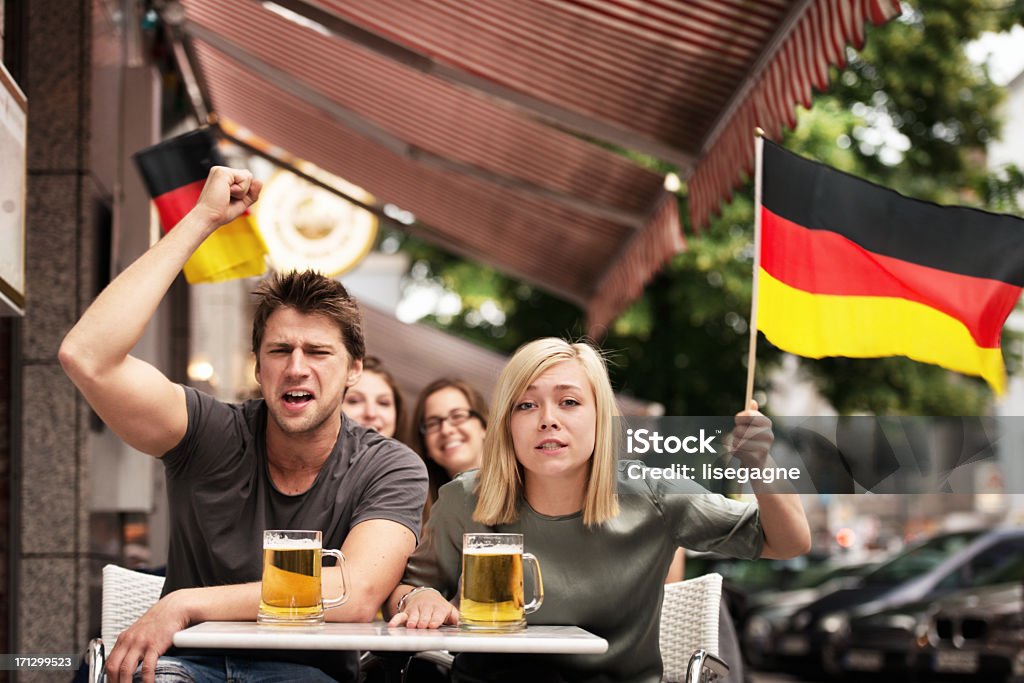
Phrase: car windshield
(919, 559)
(1011, 572)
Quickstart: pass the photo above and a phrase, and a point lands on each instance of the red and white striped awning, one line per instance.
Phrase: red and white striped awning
(490, 120)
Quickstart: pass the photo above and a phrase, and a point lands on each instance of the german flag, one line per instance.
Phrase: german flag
(849, 268)
(174, 172)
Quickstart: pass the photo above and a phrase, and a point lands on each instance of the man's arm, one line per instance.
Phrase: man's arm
(375, 552)
(132, 397)
(786, 531)
(149, 637)
(375, 555)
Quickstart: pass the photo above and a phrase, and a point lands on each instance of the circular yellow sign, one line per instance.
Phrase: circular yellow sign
(306, 227)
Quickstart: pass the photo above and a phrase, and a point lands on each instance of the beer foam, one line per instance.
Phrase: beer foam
(276, 542)
(495, 550)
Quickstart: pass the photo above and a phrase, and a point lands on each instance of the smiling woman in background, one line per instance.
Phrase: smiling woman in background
(450, 421)
(375, 401)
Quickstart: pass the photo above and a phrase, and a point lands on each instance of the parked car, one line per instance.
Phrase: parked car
(940, 565)
(978, 635)
(768, 611)
(889, 641)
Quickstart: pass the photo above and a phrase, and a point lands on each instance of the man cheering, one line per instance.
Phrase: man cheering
(287, 461)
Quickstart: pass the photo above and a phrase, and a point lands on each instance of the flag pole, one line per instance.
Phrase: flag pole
(752, 351)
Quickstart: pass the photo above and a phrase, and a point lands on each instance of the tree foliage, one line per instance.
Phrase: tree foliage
(909, 111)
(914, 78)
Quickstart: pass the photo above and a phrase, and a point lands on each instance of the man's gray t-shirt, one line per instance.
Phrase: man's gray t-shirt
(221, 496)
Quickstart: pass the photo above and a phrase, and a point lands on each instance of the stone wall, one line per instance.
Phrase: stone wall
(6, 437)
(51, 594)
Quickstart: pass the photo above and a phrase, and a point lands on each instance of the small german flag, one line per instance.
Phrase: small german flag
(849, 268)
(174, 172)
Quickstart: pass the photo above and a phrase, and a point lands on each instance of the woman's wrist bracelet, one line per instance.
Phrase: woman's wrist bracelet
(414, 591)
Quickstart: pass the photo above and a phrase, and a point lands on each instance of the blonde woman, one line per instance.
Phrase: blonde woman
(604, 540)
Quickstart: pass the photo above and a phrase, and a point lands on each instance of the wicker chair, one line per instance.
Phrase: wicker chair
(126, 597)
(689, 631)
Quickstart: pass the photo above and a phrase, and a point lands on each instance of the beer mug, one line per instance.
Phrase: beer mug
(492, 583)
(291, 591)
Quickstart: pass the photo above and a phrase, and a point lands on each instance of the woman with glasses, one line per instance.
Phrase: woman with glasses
(450, 420)
(375, 401)
(604, 539)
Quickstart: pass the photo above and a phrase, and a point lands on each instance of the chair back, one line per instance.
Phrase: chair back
(689, 622)
(127, 595)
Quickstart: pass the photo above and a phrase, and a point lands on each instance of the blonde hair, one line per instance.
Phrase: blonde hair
(500, 485)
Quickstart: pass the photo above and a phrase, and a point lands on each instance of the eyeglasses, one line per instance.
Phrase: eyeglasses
(455, 418)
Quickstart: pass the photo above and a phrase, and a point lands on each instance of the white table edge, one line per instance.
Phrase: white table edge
(375, 636)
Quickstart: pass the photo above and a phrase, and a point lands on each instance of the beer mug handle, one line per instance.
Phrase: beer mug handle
(538, 584)
(336, 602)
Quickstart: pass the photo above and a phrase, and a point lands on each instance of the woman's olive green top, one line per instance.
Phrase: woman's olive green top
(606, 579)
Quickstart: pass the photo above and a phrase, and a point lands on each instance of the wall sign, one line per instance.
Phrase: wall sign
(13, 140)
(305, 226)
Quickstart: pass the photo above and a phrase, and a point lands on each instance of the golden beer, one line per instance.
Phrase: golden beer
(492, 589)
(492, 583)
(291, 583)
(291, 590)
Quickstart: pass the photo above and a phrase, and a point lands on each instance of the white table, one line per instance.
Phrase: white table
(378, 636)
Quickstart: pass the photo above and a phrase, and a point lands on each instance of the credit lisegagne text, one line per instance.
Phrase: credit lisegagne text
(708, 472)
(644, 441)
